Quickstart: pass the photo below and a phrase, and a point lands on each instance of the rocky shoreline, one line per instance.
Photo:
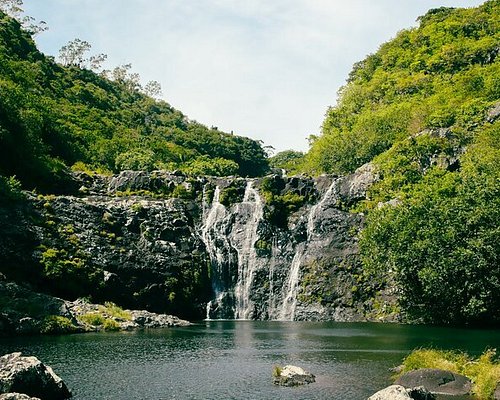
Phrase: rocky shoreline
(27, 312)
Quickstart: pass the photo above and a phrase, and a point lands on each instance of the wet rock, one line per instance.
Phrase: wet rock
(291, 375)
(437, 381)
(17, 396)
(30, 376)
(146, 319)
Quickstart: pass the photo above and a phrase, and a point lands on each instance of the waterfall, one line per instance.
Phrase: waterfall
(212, 217)
(287, 312)
(318, 207)
(249, 284)
(250, 211)
(292, 286)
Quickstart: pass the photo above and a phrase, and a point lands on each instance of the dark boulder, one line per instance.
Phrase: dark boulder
(28, 375)
(437, 381)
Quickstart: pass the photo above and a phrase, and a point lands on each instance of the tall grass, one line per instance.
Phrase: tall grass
(484, 371)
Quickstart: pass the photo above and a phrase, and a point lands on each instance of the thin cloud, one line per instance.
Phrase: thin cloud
(264, 69)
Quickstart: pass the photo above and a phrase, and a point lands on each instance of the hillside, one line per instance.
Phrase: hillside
(424, 111)
(53, 117)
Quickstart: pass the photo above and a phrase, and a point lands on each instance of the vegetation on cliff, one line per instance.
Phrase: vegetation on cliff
(54, 116)
(423, 109)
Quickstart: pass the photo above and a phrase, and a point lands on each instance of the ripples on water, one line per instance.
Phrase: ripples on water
(234, 359)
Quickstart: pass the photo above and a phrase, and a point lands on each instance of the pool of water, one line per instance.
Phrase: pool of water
(235, 359)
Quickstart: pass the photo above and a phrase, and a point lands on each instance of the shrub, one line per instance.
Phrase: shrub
(112, 310)
(57, 324)
(92, 318)
(484, 371)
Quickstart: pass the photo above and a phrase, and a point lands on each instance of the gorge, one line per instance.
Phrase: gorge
(215, 248)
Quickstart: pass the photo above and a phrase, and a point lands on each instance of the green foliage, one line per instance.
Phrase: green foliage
(53, 116)
(442, 242)
(443, 73)
(92, 318)
(231, 194)
(279, 206)
(110, 325)
(114, 311)
(10, 189)
(289, 160)
(57, 324)
(277, 371)
(484, 371)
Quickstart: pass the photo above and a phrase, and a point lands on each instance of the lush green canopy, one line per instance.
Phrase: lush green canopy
(52, 116)
(422, 110)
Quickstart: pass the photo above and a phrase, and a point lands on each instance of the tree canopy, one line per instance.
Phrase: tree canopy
(423, 109)
(54, 116)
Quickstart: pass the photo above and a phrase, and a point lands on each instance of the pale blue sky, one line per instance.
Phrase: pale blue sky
(267, 69)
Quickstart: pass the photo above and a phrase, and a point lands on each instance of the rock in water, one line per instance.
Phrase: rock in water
(291, 375)
(28, 375)
(394, 392)
(437, 381)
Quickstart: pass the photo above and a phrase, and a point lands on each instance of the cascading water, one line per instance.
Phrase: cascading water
(289, 304)
(248, 284)
(251, 210)
(213, 217)
(287, 312)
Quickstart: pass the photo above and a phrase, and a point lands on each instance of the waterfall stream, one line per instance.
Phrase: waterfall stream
(248, 284)
(252, 209)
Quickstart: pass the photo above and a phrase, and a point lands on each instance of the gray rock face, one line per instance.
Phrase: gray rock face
(496, 394)
(437, 381)
(281, 248)
(30, 376)
(291, 375)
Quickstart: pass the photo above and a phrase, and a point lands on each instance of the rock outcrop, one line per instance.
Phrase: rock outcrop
(29, 376)
(280, 248)
(17, 396)
(437, 381)
(27, 312)
(290, 375)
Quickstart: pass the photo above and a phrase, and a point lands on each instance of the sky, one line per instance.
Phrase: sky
(266, 69)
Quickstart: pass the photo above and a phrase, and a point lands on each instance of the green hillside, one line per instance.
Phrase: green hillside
(53, 117)
(424, 110)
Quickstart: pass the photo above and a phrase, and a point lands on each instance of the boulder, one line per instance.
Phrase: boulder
(496, 394)
(393, 392)
(30, 376)
(17, 396)
(291, 375)
(437, 381)
(398, 392)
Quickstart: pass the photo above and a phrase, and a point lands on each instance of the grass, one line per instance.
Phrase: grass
(484, 371)
(277, 371)
(115, 311)
(57, 324)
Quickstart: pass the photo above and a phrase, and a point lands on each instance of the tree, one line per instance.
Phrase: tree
(73, 53)
(153, 89)
(14, 8)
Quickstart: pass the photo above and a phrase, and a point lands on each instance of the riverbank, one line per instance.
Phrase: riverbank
(24, 311)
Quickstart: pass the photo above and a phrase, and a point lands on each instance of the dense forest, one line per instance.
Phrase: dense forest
(55, 116)
(423, 109)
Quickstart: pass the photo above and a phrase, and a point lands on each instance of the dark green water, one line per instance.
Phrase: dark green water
(234, 359)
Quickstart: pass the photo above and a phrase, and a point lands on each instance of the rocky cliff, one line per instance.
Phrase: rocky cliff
(277, 247)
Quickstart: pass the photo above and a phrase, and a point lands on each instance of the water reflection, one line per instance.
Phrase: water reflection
(234, 359)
